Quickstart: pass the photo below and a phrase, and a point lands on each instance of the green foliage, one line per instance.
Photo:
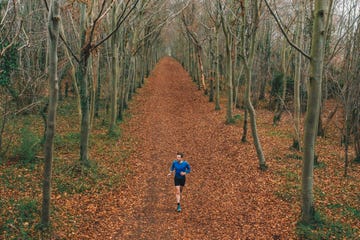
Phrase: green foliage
(230, 121)
(20, 219)
(8, 62)
(69, 141)
(29, 146)
(71, 179)
(350, 211)
(294, 156)
(234, 120)
(67, 108)
(237, 117)
(277, 87)
(290, 190)
(321, 228)
(346, 210)
(11, 181)
(75, 178)
(276, 84)
(115, 133)
(280, 134)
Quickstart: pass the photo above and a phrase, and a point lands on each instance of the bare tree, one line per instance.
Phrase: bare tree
(188, 21)
(250, 10)
(89, 41)
(229, 67)
(53, 29)
(313, 108)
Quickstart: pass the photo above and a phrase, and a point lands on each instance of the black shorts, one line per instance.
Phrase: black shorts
(179, 181)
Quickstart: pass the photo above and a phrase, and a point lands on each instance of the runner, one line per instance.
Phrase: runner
(181, 168)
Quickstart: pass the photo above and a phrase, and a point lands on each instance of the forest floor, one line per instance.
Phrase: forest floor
(226, 195)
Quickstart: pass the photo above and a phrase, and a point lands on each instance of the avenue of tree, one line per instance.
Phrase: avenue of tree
(294, 54)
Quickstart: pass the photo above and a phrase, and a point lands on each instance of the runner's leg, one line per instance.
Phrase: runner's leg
(178, 193)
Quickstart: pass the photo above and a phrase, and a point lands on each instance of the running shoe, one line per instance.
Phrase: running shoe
(178, 208)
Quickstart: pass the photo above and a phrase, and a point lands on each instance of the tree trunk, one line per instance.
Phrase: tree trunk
(313, 108)
(82, 77)
(266, 62)
(217, 74)
(228, 71)
(53, 28)
(228, 74)
(98, 87)
(245, 126)
(114, 75)
(251, 110)
(85, 109)
(92, 89)
(280, 96)
(248, 60)
(297, 78)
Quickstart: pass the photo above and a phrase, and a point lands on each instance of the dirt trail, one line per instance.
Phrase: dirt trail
(225, 195)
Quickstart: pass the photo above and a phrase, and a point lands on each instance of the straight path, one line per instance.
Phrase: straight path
(225, 197)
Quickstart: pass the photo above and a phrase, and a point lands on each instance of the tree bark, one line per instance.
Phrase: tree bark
(280, 96)
(114, 75)
(217, 74)
(228, 74)
(297, 78)
(248, 64)
(313, 108)
(53, 29)
(82, 77)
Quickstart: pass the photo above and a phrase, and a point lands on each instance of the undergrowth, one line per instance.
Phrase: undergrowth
(323, 228)
(21, 173)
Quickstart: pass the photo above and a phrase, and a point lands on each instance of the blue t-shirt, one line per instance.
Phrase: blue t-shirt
(179, 167)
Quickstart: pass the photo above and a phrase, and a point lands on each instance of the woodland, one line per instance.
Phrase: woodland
(98, 96)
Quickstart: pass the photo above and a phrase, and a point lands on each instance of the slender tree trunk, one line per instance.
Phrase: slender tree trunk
(217, 74)
(92, 89)
(347, 139)
(201, 69)
(280, 98)
(266, 61)
(212, 63)
(114, 75)
(53, 28)
(327, 33)
(228, 71)
(245, 126)
(251, 110)
(122, 78)
(82, 76)
(212, 70)
(85, 109)
(313, 108)
(228, 74)
(98, 87)
(248, 64)
(297, 78)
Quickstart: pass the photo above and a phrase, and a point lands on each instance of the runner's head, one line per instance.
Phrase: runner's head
(179, 155)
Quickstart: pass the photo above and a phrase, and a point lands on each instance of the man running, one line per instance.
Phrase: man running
(181, 168)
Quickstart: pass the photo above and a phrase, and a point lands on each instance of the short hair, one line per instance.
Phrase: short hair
(180, 153)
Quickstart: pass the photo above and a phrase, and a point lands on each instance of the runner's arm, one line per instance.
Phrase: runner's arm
(172, 169)
(188, 168)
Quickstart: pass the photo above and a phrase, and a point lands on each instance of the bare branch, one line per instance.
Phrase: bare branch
(120, 21)
(284, 33)
(156, 31)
